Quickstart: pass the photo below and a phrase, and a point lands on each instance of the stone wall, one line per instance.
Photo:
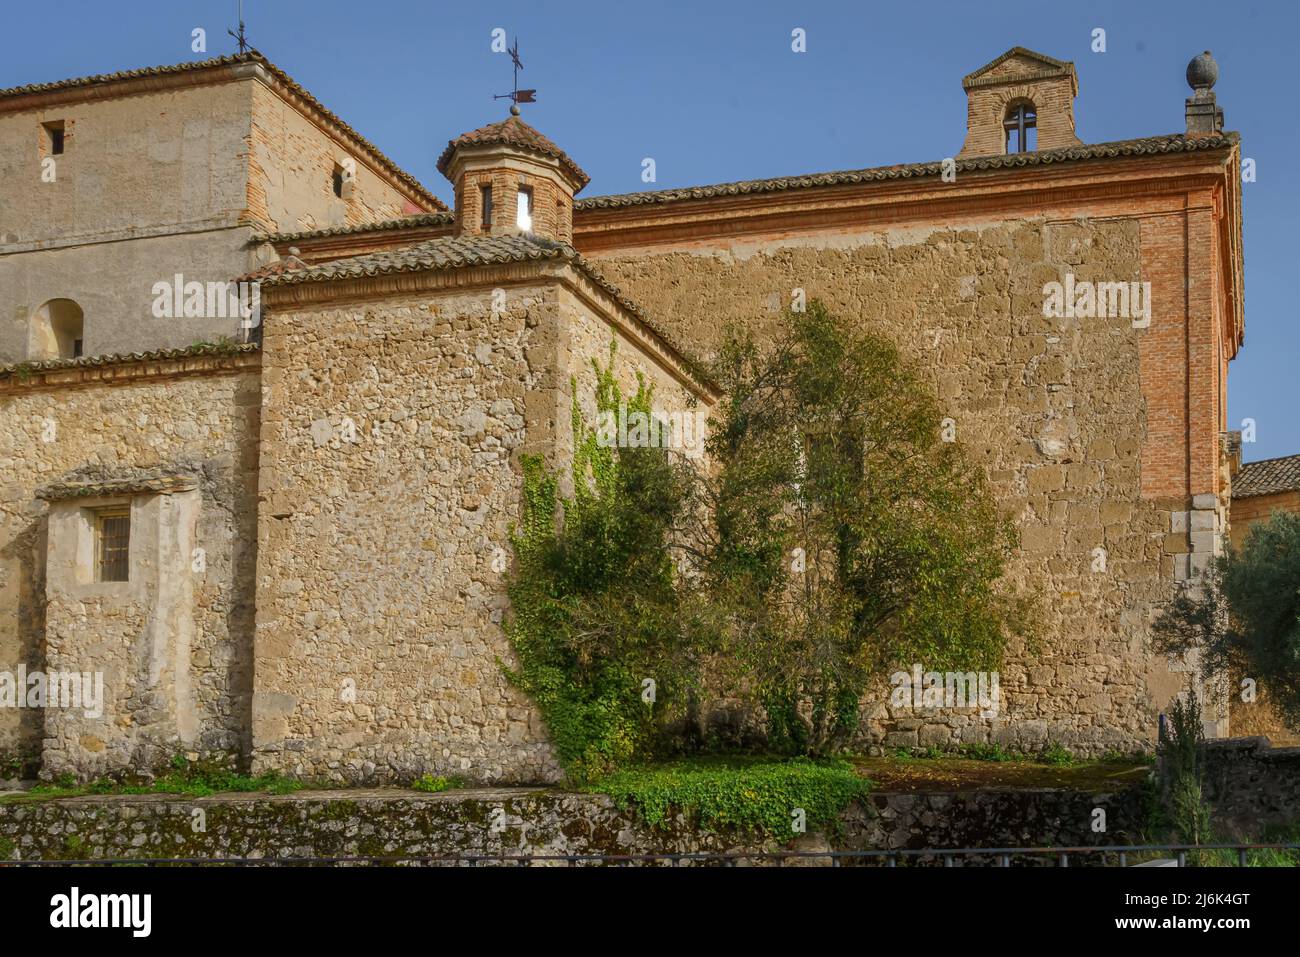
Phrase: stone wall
(1251, 785)
(390, 479)
(95, 423)
(517, 821)
(1053, 408)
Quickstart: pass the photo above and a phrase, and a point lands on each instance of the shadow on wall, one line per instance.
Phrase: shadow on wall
(26, 552)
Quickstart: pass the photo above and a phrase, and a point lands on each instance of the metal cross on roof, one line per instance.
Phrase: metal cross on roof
(241, 37)
(517, 95)
(1019, 121)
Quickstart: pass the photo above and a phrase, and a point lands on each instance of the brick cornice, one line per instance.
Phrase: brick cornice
(983, 195)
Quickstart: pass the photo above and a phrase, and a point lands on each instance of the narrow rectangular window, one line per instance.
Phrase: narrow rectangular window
(485, 194)
(53, 137)
(338, 181)
(113, 544)
(524, 214)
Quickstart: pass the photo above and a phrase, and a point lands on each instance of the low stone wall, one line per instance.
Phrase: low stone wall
(516, 821)
(1250, 784)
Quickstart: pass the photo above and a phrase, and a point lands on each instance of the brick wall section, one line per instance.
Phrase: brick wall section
(291, 164)
(986, 109)
(552, 212)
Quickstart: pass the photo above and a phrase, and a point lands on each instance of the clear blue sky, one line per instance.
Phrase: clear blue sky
(713, 92)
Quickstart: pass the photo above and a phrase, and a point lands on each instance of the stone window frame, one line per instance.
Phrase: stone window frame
(74, 508)
(87, 547)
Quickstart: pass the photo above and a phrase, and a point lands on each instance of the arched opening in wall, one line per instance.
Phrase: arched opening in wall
(56, 331)
(1021, 126)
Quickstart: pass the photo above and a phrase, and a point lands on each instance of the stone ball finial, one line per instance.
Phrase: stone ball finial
(1202, 72)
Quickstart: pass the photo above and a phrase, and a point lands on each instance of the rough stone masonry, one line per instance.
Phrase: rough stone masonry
(318, 502)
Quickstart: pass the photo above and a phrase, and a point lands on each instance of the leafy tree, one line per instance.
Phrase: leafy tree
(846, 536)
(1243, 614)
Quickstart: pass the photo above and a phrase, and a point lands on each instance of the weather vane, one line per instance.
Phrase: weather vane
(241, 37)
(517, 96)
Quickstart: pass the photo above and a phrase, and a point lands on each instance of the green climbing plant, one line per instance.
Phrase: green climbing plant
(598, 627)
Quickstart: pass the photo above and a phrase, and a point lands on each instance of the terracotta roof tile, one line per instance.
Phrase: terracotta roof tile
(1149, 146)
(1267, 477)
(414, 221)
(161, 483)
(277, 267)
(85, 362)
(512, 132)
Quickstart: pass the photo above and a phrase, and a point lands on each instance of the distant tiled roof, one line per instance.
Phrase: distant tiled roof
(512, 132)
(253, 56)
(455, 252)
(277, 267)
(414, 221)
(87, 362)
(1267, 477)
(1149, 146)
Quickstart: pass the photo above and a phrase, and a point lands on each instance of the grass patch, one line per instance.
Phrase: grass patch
(752, 796)
(192, 778)
(431, 784)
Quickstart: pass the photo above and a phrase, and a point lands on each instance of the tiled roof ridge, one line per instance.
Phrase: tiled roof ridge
(441, 218)
(232, 59)
(1144, 146)
(86, 362)
(158, 480)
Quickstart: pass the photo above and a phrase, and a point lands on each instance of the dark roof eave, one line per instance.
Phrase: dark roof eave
(1120, 149)
(414, 221)
(199, 350)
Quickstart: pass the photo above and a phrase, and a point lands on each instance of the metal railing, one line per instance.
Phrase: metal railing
(1097, 855)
